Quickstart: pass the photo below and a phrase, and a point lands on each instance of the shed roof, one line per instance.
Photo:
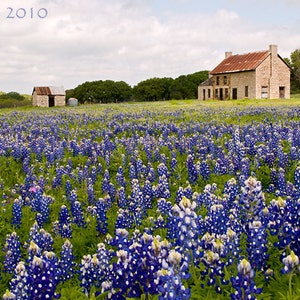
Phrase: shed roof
(49, 90)
(241, 62)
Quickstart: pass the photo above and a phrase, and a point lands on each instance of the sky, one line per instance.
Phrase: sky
(68, 42)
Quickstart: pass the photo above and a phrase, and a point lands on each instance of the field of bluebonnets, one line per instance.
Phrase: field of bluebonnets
(177, 200)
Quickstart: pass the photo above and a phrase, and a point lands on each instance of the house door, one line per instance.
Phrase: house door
(203, 94)
(51, 101)
(281, 92)
(221, 94)
(234, 93)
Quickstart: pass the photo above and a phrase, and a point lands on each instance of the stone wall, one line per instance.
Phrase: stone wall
(40, 100)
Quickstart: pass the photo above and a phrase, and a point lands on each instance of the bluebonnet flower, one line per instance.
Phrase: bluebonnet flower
(252, 199)
(173, 164)
(101, 211)
(66, 262)
(72, 199)
(188, 192)
(231, 189)
(291, 262)
(17, 212)
(78, 217)
(170, 279)
(213, 272)
(281, 182)
(124, 219)
(120, 178)
(186, 224)
(297, 179)
(192, 170)
(243, 283)
(93, 175)
(257, 246)
(12, 252)
(33, 250)
(40, 237)
(68, 188)
(163, 188)
(284, 222)
(19, 283)
(95, 269)
(41, 204)
(138, 261)
(164, 206)
(9, 296)
(91, 194)
(148, 193)
(204, 170)
(159, 222)
(57, 179)
(64, 223)
(105, 182)
(151, 174)
(43, 281)
(122, 199)
(179, 194)
(89, 273)
(217, 219)
(162, 170)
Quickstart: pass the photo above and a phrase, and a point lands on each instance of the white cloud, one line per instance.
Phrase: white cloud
(123, 40)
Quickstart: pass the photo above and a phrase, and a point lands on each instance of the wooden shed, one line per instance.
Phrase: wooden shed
(48, 96)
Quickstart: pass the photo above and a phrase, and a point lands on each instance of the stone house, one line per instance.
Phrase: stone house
(48, 96)
(255, 75)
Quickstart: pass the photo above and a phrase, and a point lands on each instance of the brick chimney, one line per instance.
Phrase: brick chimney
(228, 54)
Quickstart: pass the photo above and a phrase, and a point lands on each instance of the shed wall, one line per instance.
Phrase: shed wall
(40, 100)
(60, 101)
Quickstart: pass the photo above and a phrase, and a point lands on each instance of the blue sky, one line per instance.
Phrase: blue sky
(133, 40)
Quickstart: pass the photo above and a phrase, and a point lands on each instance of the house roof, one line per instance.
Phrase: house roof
(240, 62)
(207, 82)
(49, 90)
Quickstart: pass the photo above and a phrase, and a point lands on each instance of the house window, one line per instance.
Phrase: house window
(218, 80)
(225, 80)
(203, 94)
(217, 93)
(264, 92)
(208, 93)
(226, 93)
(246, 91)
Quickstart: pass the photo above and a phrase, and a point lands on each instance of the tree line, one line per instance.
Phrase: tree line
(294, 62)
(153, 89)
(158, 89)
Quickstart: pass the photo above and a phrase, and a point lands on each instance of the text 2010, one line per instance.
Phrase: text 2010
(30, 13)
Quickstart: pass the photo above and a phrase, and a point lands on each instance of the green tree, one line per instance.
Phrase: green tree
(186, 86)
(295, 74)
(12, 95)
(102, 92)
(154, 89)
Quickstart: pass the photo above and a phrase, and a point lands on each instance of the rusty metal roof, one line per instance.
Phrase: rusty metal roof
(240, 62)
(49, 90)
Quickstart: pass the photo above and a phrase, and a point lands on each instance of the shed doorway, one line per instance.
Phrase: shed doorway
(51, 101)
